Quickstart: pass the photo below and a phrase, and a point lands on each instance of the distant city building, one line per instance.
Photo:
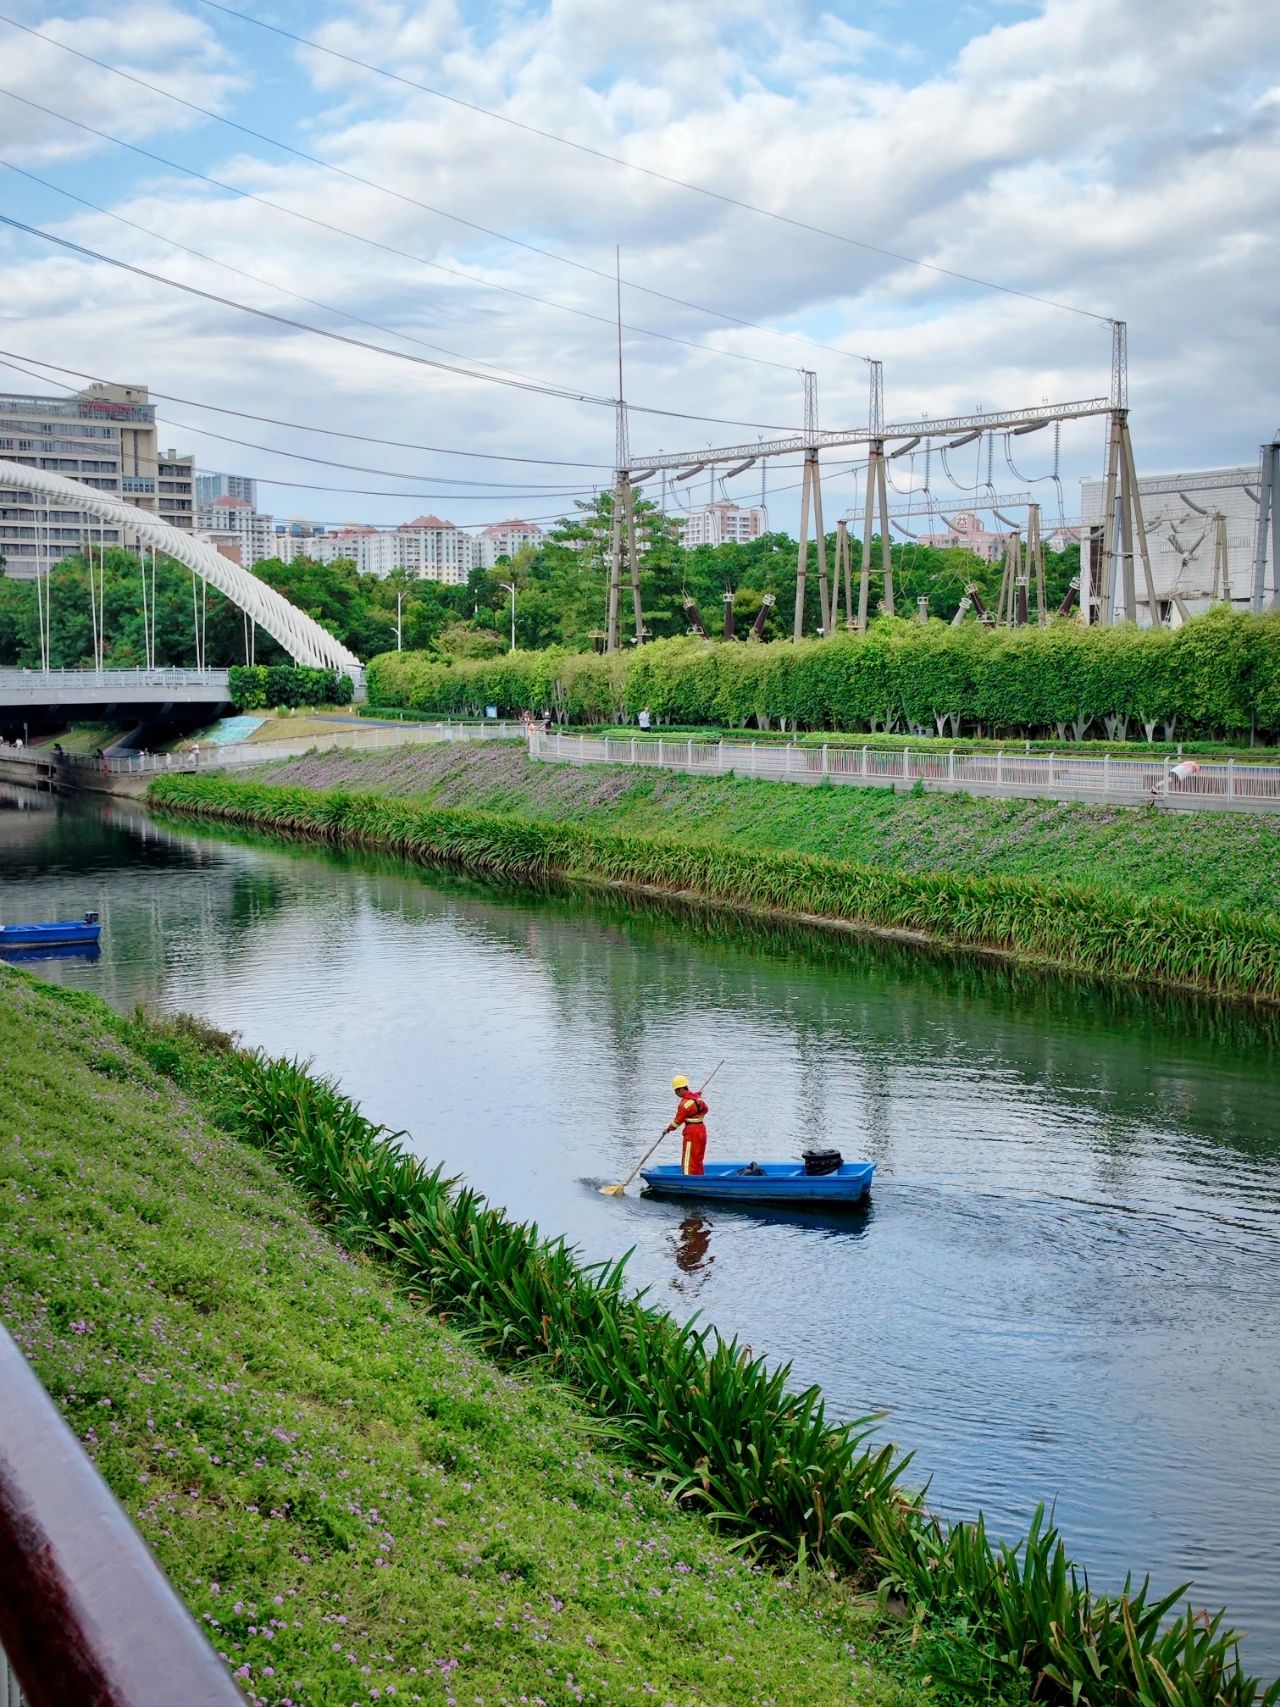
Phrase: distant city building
(972, 534)
(505, 539)
(236, 529)
(103, 436)
(721, 524)
(1186, 517)
(211, 486)
(296, 538)
(427, 549)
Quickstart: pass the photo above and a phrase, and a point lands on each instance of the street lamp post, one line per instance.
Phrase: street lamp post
(509, 587)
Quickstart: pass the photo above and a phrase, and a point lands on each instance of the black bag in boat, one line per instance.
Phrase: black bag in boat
(821, 1161)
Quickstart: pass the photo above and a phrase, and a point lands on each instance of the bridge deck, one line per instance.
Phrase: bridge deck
(112, 687)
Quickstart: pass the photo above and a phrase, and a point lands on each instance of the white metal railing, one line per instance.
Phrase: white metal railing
(1215, 784)
(164, 678)
(246, 753)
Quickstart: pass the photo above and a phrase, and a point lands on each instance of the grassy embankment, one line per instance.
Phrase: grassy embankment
(1086, 928)
(1210, 859)
(352, 1501)
(187, 1306)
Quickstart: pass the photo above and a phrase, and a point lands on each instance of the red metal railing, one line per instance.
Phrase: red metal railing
(87, 1617)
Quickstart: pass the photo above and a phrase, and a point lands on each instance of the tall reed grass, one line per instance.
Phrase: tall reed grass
(1074, 926)
(726, 1434)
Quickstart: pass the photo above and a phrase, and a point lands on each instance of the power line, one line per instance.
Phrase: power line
(562, 393)
(646, 171)
(363, 468)
(256, 278)
(297, 426)
(370, 242)
(399, 195)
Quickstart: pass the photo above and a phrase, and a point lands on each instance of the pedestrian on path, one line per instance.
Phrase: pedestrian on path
(1180, 773)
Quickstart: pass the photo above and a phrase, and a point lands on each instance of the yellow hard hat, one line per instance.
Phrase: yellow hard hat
(679, 1083)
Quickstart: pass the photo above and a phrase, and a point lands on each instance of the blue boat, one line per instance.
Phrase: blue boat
(61, 933)
(765, 1182)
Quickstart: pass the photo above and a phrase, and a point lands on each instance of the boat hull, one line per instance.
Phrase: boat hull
(66, 933)
(777, 1182)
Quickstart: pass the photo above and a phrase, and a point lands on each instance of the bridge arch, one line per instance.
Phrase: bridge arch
(302, 637)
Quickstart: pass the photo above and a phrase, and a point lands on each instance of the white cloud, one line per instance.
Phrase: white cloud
(1114, 156)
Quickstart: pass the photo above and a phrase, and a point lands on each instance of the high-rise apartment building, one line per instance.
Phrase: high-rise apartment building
(211, 486)
(427, 548)
(504, 539)
(236, 529)
(721, 524)
(104, 437)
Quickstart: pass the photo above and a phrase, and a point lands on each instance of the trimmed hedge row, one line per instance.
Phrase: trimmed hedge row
(1123, 936)
(256, 686)
(1218, 675)
(725, 1434)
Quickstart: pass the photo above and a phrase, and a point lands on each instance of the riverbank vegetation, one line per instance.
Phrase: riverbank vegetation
(561, 596)
(1208, 859)
(1219, 675)
(354, 1504)
(226, 1368)
(1076, 926)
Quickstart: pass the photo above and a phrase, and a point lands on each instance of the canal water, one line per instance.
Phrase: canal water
(1067, 1288)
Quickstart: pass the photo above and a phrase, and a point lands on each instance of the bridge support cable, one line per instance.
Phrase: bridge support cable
(301, 636)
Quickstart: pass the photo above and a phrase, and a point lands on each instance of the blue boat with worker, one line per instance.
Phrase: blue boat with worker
(58, 933)
(821, 1177)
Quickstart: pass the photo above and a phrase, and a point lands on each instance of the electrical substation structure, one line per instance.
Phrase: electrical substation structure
(1111, 593)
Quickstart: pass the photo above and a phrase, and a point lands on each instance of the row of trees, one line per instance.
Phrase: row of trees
(1217, 676)
(560, 599)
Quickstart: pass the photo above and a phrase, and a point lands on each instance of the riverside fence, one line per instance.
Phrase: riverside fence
(1225, 786)
(244, 753)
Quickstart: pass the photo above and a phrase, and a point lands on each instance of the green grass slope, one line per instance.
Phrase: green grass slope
(1206, 859)
(355, 1506)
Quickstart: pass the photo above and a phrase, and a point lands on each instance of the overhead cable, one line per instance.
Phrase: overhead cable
(255, 278)
(400, 195)
(297, 426)
(560, 392)
(391, 249)
(646, 171)
(363, 468)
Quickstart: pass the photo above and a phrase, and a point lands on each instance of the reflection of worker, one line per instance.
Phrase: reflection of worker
(691, 1247)
(690, 1110)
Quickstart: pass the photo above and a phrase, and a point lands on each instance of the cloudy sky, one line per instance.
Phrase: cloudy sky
(1113, 157)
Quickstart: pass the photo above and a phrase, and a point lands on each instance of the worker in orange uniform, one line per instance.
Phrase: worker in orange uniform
(690, 1112)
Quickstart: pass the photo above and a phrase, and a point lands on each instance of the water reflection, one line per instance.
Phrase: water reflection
(692, 1242)
(1067, 1286)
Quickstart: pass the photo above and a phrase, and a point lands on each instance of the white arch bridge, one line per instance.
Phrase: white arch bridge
(301, 636)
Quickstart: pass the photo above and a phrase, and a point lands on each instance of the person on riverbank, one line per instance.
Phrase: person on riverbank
(644, 720)
(691, 1110)
(1178, 774)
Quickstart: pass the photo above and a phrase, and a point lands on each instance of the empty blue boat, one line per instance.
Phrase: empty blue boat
(60, 933)
(765, 1182)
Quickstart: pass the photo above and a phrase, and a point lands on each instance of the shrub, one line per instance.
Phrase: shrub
(1218, 675)
(253, 687)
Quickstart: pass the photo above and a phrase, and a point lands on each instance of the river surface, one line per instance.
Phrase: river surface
(1067, 1288)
